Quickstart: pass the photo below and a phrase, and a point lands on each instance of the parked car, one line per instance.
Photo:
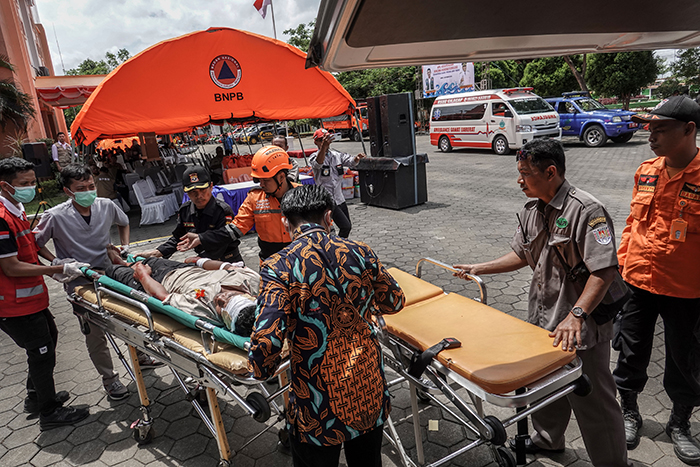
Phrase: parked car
(264, 132)
(584, 117)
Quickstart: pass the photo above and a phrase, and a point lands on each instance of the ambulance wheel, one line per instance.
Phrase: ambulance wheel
(583, 386)
(262, 408)
(500, 145)
(356, 137)
(622, 138)
(444, 144)
(505, 457)
(594, 136)
(499, 431)
(144, 438)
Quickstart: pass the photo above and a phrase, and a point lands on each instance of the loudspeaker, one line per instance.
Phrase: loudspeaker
(393, 183)
(38, 154)
(391, 131)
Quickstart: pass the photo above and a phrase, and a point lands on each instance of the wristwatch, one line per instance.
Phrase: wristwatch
(578, 312)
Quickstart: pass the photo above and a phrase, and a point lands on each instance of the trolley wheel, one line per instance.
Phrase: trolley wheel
(422, 396)
(283, 437)
(444, 144)
(500, 145)
(144, 438)
(583, 386)
(499, 431)
(262, 408)
(224, 463)
(505, 457)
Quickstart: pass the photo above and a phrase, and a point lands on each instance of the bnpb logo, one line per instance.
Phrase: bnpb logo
(225, 71)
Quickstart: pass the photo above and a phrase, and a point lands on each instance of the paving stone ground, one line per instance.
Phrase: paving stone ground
(469, 217)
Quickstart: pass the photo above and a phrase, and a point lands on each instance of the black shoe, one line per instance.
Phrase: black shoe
(632, 418)
(678, 429)
(62, 416)
(31, 405)
(532, 448)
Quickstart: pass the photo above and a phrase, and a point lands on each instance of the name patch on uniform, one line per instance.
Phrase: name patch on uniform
(188, 224)
(690, 191)
(597, 221)
(647, 183)
(602, 234)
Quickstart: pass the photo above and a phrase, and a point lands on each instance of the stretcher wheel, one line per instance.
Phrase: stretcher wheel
(583, 386)
(143, 437)
(499, 431)
(224, 463)
(262, 408)
(505, 457)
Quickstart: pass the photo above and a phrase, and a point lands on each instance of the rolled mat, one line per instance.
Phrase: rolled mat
(220, 334)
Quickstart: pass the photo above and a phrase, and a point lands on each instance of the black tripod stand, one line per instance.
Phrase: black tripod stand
(44, 205)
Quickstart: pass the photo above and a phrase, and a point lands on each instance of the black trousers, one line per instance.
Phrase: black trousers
(37, 335)
(363, 451)
(341, 217)
(160, 267)
(634, 337)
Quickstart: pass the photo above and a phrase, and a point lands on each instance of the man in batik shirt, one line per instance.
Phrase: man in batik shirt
(320, 292)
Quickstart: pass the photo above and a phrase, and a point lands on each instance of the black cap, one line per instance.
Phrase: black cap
(195, 177)
(679, 108)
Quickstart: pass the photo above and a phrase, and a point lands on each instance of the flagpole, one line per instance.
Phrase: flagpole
(274, 28)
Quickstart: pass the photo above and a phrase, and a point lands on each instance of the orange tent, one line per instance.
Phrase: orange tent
(117, 143)
(208, 77)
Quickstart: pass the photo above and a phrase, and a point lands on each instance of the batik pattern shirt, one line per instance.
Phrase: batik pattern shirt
(320, 293)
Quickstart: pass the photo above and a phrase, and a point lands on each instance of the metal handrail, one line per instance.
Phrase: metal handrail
(477, 279)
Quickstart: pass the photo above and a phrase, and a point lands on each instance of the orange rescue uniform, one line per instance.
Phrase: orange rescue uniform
(652, 260)
(262, 211)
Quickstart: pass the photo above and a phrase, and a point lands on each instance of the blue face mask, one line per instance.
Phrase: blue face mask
(85, 198)
(24, 194)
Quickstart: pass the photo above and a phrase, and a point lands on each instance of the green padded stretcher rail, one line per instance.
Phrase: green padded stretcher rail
(220, 334)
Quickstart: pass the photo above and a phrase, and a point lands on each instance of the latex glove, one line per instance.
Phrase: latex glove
(61, 261)
(71, 271)
(124, 250)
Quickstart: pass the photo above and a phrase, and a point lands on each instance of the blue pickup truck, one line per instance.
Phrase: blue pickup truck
(582, 116)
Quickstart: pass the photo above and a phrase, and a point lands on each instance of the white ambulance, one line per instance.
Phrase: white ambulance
(500, 119)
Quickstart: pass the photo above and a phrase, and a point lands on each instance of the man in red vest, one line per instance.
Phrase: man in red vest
(24, 298)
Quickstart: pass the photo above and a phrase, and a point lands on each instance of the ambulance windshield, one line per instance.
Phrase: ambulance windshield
(530, 105)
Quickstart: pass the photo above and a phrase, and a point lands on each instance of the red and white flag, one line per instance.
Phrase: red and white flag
(261, 6)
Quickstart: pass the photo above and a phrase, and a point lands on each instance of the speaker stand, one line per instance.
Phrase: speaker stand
(44, 205)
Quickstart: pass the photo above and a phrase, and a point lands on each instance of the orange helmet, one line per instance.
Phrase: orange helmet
(268, 161)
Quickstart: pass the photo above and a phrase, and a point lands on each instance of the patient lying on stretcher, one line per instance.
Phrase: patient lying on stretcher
(221, 293)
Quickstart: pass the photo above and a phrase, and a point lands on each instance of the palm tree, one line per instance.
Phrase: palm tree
(15, 105)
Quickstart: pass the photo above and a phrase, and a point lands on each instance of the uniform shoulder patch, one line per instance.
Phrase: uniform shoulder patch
(602, 234)
(690, 191)
(597, 221)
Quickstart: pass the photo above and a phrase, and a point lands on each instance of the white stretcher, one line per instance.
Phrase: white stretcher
(193, 355)
(502, 360)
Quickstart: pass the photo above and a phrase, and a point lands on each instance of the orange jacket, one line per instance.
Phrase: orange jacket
(21, 296)
(652, 260)
(263, 211)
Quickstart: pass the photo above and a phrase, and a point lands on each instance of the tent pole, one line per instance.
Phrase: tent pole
(359, 128)
(301, 145)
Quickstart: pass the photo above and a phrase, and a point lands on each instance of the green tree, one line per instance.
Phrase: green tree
(687, 66)
(621, 74)
(300, 37)
(549, 76)
(15, 106)
(669, 87)
(91, 67)
(366, 83)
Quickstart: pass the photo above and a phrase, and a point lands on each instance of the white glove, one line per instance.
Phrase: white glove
(124, 250)
(71, 269)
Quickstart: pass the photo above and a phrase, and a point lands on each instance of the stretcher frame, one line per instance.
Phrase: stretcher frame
(194, 373)
(439, 380)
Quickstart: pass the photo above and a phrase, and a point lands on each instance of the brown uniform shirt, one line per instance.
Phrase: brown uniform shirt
(582, 229)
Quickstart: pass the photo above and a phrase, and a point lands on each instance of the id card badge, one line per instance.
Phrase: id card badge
(679, 228)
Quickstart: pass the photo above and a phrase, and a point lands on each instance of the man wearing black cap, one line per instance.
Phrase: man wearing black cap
(201, 223)
(659, 258)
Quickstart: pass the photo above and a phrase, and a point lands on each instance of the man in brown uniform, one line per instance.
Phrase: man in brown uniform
(575, 223)
(61, 152)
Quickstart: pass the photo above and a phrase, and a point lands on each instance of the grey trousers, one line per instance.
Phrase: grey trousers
(598, 415)
(98, 349)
